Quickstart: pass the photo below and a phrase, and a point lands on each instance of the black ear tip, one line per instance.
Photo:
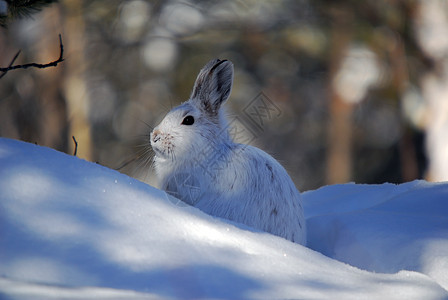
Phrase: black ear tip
(217, 62)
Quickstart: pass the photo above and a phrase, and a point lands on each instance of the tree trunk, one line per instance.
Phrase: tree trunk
(75, 86)
(432, 34)
(339, 139)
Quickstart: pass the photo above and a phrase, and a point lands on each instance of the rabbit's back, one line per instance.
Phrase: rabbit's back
(251, 187)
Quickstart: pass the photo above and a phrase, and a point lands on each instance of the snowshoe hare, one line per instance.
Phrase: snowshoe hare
(197, 162)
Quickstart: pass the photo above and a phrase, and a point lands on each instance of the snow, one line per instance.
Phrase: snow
(72, 229)
(388, 228)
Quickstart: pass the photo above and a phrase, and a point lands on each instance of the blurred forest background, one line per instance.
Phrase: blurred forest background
(360, 87)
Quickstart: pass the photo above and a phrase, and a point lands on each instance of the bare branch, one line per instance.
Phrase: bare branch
(34, 65)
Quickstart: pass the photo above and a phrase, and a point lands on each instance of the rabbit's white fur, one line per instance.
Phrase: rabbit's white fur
(201, 165)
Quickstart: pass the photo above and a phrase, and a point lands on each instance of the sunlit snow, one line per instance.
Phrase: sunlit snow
(72, 229)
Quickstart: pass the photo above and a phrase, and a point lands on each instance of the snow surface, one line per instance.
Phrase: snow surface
(72, 229)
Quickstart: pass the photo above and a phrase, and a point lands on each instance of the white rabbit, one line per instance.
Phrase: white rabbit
(197, 162)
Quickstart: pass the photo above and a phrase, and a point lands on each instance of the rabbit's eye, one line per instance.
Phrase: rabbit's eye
(188, 120)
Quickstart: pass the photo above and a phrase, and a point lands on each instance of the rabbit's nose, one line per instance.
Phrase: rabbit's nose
(156, 135)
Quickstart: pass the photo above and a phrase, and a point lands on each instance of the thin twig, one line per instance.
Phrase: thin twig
(35, 65)
(11, 63)
(126, 163)
(76, 145)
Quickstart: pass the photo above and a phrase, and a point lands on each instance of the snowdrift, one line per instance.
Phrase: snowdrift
(71, 229)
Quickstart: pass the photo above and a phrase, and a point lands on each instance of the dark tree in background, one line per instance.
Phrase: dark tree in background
(14, 9)
(360, 86)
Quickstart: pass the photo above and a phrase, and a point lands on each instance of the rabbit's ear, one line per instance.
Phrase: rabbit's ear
(213, 86)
